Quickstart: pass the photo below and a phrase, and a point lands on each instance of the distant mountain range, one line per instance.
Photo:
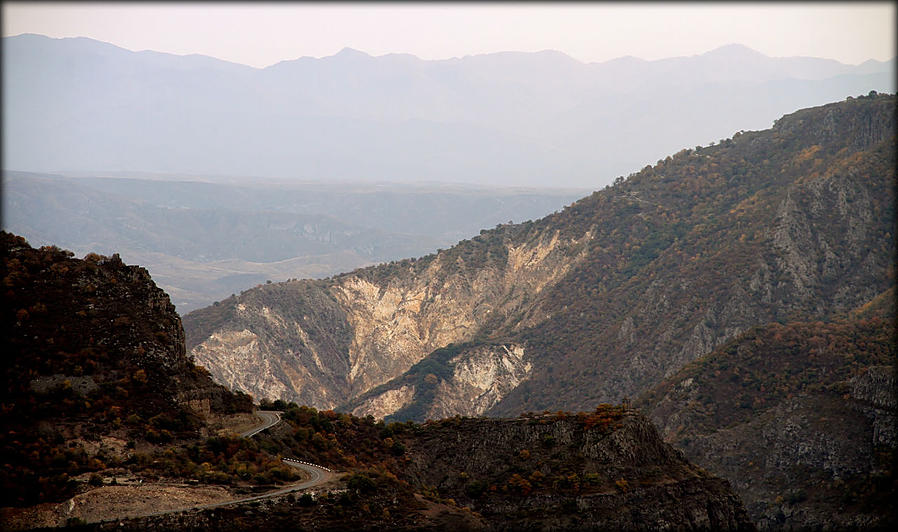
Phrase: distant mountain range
(509, 118)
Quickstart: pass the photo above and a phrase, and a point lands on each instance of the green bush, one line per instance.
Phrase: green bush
(306, 499)
(475, 489)
(361, 483)
(397, 449)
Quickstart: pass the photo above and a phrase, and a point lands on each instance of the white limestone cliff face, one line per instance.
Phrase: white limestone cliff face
(481, 378)
(382, 325)
(386, 403)
(235, 356)
(473, 381)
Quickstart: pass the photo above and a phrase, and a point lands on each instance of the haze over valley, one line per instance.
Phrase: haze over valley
(204, 241)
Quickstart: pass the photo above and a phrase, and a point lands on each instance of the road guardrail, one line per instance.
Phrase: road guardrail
(306, 463)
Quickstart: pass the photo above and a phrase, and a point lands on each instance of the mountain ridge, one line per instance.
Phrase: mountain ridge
(708, 237)
(526, 119)
(738, 292)
(726, 49)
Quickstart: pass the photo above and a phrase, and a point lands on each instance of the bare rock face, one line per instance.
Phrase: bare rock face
(385, 403)
(276, 345)
(458, 380)
(480, 378)
(875, 390)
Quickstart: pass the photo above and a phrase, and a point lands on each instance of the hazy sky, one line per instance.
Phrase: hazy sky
(261, 34)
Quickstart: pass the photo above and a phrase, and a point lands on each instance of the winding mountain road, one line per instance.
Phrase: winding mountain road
(270, 418)
(318, 474)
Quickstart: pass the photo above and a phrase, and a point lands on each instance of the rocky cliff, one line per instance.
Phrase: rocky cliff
(607, 469)
(93, 353)
(465, 380)
(605, 298)
(325, 342)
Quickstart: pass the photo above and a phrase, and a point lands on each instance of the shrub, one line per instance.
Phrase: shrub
(519, 485)
(397, 449)
(361, 483)
(622, 485)
(306, 499)
(475, 489)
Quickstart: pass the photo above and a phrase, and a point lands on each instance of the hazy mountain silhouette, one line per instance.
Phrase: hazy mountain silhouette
(508, 118)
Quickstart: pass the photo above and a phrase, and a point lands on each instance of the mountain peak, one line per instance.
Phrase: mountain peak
(350, 52)
(734, 50)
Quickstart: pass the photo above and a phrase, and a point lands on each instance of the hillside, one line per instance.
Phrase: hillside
(600, 301)
(596, 470)
(95, 372)
(592, 470)
(109, 424)
(510, 118)
(799, 417)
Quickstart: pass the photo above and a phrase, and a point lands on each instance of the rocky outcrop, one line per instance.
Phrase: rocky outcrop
(99, 320)
(811, 462)
(874, 387)
(609, 469)
(480, 379)
(92, 349)
(464, 380)
(381, 404)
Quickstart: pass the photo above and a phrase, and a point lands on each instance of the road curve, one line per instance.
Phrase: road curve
(318, 474)
(270, 418)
